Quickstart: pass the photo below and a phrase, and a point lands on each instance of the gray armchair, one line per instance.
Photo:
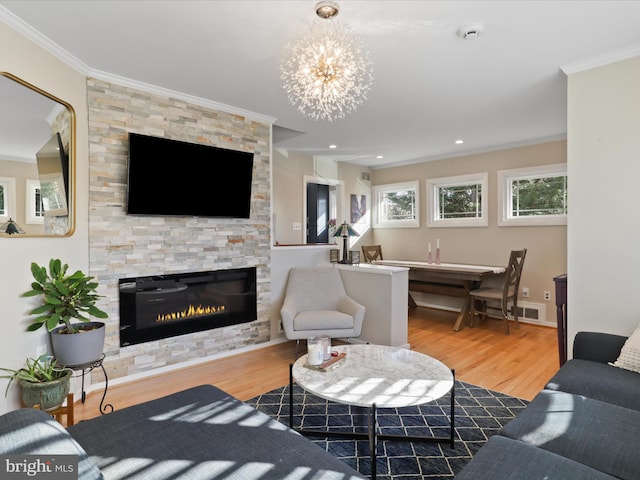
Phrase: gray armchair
(316, 303)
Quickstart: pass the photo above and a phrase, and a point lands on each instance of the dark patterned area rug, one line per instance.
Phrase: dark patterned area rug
(479, 413)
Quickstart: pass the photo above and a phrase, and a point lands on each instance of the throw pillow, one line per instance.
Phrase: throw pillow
(629, 358)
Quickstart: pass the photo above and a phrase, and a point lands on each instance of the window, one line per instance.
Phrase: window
(459, 201)
(35, 208)
(533, 196)
(7, 197)
(396, 205)
(52, 193)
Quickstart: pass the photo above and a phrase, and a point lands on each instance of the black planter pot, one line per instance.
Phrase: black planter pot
(79, 349)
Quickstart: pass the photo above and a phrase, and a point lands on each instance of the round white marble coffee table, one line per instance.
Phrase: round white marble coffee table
(376, 376)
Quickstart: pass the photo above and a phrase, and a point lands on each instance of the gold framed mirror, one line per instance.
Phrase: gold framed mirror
(37, 162)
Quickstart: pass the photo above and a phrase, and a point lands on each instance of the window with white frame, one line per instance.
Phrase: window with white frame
(533, 196)
(7, 197)
(459, 201)
(35, 209)
(396, 205)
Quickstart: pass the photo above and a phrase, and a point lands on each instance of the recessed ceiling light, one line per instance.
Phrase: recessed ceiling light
(459, 142)
(380, 156)
(333, 146)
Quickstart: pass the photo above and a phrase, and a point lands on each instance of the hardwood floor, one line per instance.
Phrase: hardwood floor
(518, 364)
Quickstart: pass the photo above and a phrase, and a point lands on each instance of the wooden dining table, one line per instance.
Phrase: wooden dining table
(452, 279)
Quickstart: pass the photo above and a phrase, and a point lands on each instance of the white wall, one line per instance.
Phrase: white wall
(31, 63)
(289, 196)
(604, 188)
(288, 206)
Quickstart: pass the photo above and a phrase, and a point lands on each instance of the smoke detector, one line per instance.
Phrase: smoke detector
(471, 30)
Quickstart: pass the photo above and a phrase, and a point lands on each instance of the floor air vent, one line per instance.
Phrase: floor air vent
(530, 312)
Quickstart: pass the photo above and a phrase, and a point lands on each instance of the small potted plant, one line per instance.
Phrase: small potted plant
(68, 298)
(41, 382)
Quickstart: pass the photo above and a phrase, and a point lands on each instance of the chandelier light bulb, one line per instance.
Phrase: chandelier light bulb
(327, 73)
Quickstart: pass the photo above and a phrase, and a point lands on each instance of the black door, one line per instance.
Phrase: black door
(317, 213)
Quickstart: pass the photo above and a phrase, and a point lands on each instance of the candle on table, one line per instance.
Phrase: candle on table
(438, 243)
(429, 247)
(314, 356)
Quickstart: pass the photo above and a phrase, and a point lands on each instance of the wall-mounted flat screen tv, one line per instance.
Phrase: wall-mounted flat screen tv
(171, 177)
(53, 172)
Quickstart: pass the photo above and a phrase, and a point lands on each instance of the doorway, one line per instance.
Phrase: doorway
(322, 202)
(318, 213)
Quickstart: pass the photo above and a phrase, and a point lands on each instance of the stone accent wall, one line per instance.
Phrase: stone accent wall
(126, 246)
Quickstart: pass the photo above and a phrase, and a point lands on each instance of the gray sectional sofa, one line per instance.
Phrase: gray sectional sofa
(197, 434)
(585, 423)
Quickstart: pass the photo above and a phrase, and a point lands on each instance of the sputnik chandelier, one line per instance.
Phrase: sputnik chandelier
(328, 73)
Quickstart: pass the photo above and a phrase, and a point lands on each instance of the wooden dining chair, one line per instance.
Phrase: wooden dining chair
(506, 294)
(371, 253)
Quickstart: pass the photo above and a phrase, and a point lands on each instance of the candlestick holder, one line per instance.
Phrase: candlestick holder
(438, 256)
(429, 259)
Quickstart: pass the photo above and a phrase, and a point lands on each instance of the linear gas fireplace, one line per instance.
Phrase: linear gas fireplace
(162, 306)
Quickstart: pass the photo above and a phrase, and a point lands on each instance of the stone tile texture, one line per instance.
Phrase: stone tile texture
(122, 246)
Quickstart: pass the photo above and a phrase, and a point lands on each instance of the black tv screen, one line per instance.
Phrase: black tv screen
(171, 177)
(53, 172)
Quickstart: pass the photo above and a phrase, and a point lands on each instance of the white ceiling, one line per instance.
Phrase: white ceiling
(431, 87)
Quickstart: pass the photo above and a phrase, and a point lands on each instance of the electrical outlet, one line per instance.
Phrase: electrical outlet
(296, 226)
(525, 292)
(547, 295)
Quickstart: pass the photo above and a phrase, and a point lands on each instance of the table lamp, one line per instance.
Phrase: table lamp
(345, 231)
(10, 227)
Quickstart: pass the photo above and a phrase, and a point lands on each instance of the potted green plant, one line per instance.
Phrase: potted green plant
(65, 299)
(41, 382)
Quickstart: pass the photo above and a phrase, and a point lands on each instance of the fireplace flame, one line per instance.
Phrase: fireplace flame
(190, 312)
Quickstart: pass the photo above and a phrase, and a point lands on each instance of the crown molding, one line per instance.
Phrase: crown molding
(63, 55)
(27, 31)
(476, 151)
(601, 60)
(165, 92)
